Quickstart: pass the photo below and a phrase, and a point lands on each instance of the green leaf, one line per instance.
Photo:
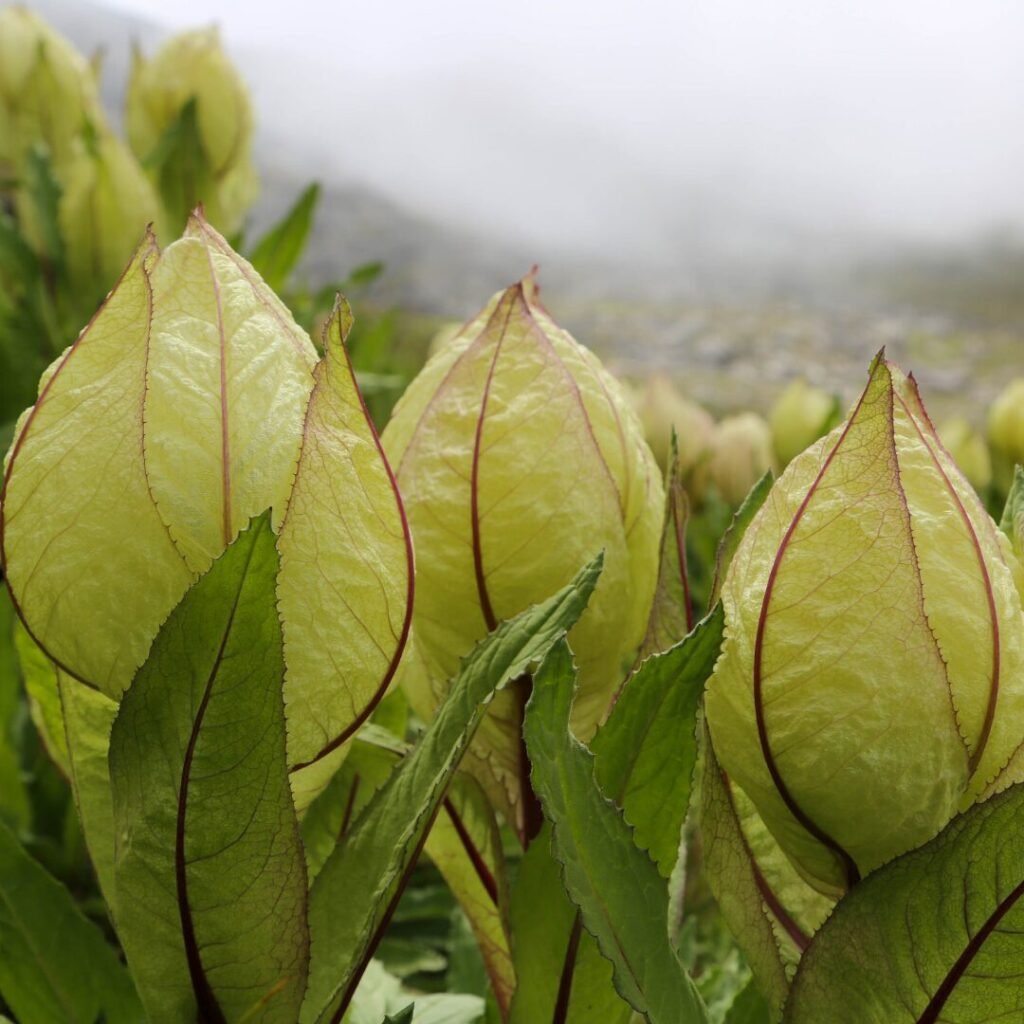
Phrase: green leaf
(19, 265)
(465, 845)
(749, 1007)
(402, 1017)
(557, 963)
(43, 693)
(737, 528)
(44, 192)
(211, 885)
(88, 717)
(622, 898)
(357, 888)
(55, 967)
(364, 274)
(1012, 522)
(14, 802)
(647, 750)
(332, 814)
(936, 935)
(181, 167)
(277, 252)
(739, 887)
(671, 616)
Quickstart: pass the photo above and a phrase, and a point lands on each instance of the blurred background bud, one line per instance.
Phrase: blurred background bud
(189, 96)
(107, 202)
(662, 408)
(48, 91)
(741, 453)
(969, 451)
(800, 415)
(1006, 432)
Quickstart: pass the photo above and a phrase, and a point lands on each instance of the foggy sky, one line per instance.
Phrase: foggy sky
(637, 127)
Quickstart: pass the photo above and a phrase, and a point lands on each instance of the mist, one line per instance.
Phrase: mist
(652, 133)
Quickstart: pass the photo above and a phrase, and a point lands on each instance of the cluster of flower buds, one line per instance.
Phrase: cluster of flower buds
(871, 682)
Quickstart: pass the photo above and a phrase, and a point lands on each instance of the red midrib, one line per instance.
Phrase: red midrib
(957, 971)
(990, 711)
(474, 497)
(208, 1007)
(767, 893)
(410, 567)
(225, 445)
(849, 865)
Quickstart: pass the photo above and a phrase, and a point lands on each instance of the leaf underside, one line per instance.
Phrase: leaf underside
(622, 898)
(935, 936)
(358, 886)
(210, 877)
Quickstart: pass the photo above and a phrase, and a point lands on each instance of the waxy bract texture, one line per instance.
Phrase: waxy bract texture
(519, 458)
(872, 678)
(191, 403)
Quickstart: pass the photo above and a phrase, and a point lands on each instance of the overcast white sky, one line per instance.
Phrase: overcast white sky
(626, 124)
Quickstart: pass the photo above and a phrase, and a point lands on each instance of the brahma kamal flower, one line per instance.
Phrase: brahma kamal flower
(190, 403)
(105, 204)
(519, 458)
(194, 66)
(871, 681)
(48, 90)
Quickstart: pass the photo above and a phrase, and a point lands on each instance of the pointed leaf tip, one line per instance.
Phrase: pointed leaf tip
(346, 560)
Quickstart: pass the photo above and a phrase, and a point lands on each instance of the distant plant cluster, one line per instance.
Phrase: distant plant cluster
(555, 701)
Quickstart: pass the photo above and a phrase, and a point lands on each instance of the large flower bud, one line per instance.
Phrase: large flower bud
(872, 678)
(800, 415)
(194, 66)
(106, 203)
(190, 403)
(47, 89)
(519, 458)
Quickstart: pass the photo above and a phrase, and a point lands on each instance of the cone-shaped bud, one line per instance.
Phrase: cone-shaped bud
(871, 682)
(800, 415)
(520, 458)
(189, 404)
(662, 408)
(106, 203)
(194, 66)
(47, 90)
(741, 453)
(968, 450)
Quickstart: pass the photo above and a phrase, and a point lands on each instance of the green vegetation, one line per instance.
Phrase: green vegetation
(493, 715)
